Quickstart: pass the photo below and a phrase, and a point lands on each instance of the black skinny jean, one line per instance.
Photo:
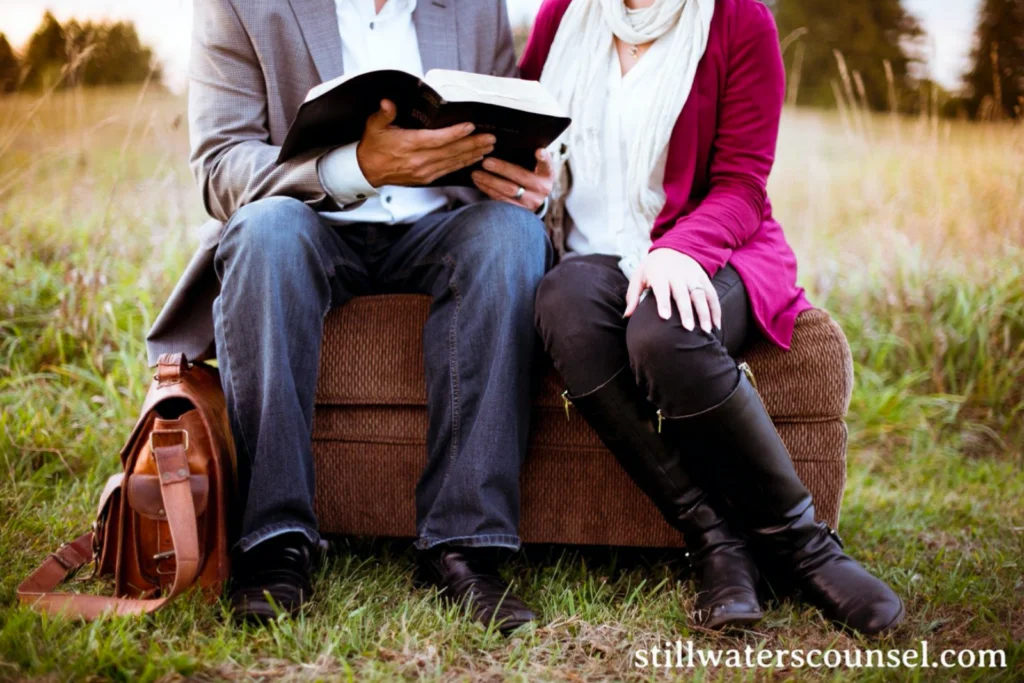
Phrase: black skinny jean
(579, 315)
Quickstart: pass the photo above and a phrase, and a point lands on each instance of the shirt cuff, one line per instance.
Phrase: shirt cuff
(542, 210)
(342, 178)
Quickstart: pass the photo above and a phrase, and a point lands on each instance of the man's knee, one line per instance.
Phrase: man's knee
(271, 226)
(510, 237)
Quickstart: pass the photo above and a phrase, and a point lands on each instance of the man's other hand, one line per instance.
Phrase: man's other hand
(389, 155)
(507, 182)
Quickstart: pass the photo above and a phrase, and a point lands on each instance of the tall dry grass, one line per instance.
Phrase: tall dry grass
(911, 232)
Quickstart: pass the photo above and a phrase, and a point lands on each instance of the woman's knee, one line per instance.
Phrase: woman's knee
(564, 308)
(581, 331)
(553, 302)
(683, 371)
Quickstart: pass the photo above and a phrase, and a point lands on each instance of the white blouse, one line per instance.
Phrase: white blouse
(600, 219)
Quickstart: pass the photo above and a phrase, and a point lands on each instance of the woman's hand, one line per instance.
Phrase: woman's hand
(672, 275)
(505, 182)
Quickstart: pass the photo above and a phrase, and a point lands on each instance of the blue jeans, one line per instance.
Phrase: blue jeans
(282, 268)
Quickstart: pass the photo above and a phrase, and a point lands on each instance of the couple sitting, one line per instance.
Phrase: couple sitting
(670, 263)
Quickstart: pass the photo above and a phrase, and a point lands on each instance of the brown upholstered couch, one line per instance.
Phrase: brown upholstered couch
(370, 428)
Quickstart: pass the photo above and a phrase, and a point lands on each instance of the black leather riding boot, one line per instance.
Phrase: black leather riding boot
(755, 472)
(725, 572)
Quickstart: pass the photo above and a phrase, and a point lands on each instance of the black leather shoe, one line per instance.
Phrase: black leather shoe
(469, 576)
(838, 585)
(724, 569)
(755, 471)
(271, 579)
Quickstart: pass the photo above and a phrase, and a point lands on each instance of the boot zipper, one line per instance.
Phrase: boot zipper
(567, 404)
(749, 373)
(661, 416)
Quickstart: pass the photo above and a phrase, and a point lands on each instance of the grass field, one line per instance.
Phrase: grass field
(911, 232)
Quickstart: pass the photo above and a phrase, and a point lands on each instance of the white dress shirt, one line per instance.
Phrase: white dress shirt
(601, 219)
(370, 42)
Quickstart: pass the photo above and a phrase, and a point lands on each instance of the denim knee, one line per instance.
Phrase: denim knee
(275, 228)
(508, 241)
(270, 263)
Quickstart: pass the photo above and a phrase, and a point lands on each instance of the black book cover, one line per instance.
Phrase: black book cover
(338, 116)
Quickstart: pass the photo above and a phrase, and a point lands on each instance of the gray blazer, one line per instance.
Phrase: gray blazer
(252, 63)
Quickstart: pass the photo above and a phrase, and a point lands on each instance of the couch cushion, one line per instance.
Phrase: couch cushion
(370, 427)
(372, 356)
(570, 493)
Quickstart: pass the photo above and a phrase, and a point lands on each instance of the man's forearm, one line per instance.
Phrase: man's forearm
(248, 171)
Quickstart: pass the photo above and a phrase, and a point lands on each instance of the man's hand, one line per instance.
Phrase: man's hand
(502, 181)
(394, 156)
(673, 275)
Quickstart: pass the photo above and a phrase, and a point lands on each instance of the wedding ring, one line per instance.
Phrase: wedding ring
(695, 288)
(520, 192)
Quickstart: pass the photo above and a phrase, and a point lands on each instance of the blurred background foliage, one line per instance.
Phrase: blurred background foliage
(868, 54)
(879, 48)
(868, 35)
(996, 80)
(71, 54)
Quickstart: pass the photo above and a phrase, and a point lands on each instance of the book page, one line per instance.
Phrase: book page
(327, 86)
(462, 86)
(318, 90)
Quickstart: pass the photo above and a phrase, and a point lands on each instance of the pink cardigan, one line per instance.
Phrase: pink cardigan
(721, 152)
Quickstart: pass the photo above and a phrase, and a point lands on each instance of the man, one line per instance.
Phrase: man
(296, 239)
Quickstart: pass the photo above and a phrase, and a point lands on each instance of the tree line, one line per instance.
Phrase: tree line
(868, 53)
(872, 53)
(71, 54)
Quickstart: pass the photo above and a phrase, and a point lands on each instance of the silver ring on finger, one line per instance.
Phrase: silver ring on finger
(520, 192)
(696, 288)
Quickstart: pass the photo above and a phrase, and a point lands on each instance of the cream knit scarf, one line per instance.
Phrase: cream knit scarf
(576, 72)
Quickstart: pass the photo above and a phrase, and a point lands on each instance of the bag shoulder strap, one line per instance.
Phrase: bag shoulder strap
(37, 590)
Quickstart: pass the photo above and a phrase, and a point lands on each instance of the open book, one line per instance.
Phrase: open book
(522, 115)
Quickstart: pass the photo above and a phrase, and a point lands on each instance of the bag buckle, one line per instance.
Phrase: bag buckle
(59, 559)
(97, 548)
(160, 557)
(58, 556)
(184, 432)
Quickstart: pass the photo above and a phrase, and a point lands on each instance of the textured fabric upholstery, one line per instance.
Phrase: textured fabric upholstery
(370, 426)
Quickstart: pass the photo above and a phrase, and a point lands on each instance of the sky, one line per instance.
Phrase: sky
(165, 24)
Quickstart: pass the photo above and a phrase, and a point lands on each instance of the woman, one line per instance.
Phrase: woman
(661, 187)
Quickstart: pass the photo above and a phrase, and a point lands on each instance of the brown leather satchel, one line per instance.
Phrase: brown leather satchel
(165, 522)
